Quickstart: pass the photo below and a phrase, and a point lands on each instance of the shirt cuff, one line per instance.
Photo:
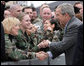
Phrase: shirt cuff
(50, 54)
(49, 42)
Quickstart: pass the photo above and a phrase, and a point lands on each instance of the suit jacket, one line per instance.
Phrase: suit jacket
(78, 54)
(69, 40)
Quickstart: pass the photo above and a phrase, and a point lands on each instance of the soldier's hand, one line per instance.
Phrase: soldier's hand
(44, 44)
(31, 29)
(41, 55)
(28, 54)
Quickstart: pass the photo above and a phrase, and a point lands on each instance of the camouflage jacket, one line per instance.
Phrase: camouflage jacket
(36, 21)
(12, 51)
(27, 42)
(20, 46)
(23, 41)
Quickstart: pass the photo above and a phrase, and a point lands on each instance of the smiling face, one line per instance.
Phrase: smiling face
(47, 25)
(26, 21)
(14, 30)
(44, 5)
(46, 14)
(63, 19)
(29, 12)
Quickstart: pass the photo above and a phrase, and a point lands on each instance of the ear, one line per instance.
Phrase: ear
(66, 14)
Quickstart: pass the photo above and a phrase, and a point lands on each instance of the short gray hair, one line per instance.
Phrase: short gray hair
(13, 7)
(67, 8)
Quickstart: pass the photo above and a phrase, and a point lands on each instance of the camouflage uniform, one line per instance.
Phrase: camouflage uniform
(12, 51)
(38, 24)
(36, 20)
(21, 45)
(27, 42)
(22, 41)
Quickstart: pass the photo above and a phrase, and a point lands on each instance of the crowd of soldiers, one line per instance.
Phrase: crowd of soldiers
(31, 29)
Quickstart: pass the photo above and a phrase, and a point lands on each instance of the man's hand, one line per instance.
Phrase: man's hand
(44, 44)
(41, 55)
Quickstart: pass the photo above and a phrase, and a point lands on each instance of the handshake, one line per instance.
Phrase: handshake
(44, 44)
(42, 55)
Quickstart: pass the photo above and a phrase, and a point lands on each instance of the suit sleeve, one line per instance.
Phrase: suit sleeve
(68, 41)
(78, 54)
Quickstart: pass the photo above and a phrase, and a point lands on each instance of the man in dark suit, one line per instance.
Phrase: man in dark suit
(66, 16)
(78, 54)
